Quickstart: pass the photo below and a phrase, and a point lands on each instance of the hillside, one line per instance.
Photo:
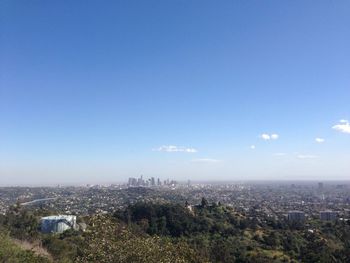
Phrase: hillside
(153, 232)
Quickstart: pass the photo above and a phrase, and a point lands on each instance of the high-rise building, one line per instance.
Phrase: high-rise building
(135, 182)
(132, 181)
(296, 216)
(328, 215)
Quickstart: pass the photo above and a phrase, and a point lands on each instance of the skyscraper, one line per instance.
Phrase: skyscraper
(296, 216)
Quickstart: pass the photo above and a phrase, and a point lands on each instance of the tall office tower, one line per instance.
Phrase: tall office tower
(141, 181)
(132, 181)
(320, 185)
(153, 181)
(296, 216)
(159, 183)
(328, 215)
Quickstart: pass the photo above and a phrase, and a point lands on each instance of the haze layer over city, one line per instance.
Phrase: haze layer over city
(188, 90)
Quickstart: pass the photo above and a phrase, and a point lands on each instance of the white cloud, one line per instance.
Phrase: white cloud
(205, 160)
(306, 156)
(252, 147)
(274, 136)
(265, 136)
(268, 137)
(342, 126)
(173, 148)
(319, 140)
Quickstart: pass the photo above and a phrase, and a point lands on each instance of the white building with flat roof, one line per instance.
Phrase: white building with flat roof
(58, 223)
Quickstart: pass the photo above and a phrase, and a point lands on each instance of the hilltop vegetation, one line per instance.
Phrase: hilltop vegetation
(219, 234)
(106, 240)
(110, 241)
(11, 252)
(152, 232)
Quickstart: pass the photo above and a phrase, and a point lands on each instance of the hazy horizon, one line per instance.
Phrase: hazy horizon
(184, 182)
(198, 90)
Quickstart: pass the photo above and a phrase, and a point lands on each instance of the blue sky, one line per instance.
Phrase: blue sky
(95, 91)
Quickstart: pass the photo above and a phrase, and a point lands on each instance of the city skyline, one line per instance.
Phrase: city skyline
(93, 92)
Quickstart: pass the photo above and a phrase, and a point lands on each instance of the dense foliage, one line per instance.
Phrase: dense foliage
(220, 234)
(109, 241)
(10, 252)
(147, 232)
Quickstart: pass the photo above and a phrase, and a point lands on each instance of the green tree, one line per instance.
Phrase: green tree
(107, 241)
